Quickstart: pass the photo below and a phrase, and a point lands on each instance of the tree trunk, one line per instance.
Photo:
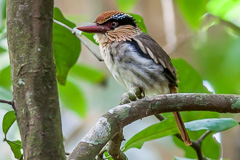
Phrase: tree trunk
(29, 26)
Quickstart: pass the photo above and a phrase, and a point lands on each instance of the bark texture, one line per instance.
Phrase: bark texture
(29, 26)
(112, 122)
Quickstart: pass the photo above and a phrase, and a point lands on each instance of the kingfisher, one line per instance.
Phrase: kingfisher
(134, 58)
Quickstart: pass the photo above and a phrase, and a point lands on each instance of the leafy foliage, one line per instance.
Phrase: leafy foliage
(139, 21)
(218, 60)
(8, 119)
(66, 54)
(156, 131)
(16, 147)
(226, 9)
(73, 98)
(192, 11)
(87, 73)
(168, 127)
(214, 124)
(6, 81)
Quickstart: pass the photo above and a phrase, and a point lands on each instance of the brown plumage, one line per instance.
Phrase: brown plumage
(134, 58)
(105, 16)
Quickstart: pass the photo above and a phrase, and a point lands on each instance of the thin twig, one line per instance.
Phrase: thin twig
(199, 140)
(7, 102)
(82, 38)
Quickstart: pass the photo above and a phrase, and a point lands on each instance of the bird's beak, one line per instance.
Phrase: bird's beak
(94, 29)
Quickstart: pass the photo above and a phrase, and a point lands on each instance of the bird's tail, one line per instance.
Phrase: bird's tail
(179, 121)
(182, 129)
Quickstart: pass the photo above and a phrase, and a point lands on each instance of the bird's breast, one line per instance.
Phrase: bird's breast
(131, 68)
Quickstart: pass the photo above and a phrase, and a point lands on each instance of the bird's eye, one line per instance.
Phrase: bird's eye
(114, 24)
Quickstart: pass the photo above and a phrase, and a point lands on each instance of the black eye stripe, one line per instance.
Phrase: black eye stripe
(122, 19)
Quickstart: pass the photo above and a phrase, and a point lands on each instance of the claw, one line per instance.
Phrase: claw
(132, 95)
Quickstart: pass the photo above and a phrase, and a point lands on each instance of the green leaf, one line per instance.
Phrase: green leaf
(66, 47)
(156, 131)
(218, 60)
(139, 21)
(126, 5)
(8, 119)
(5, 76)
(16, 147)
(90, 37)
(2, 50)
(88, 73)
(226, 9)
(211, 148)
(73, 98)
(213, 124)
(192, 11)
(107, 156)
(189, 78)
(2, 13)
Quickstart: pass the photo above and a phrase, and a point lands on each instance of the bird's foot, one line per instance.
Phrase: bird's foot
(132, 95)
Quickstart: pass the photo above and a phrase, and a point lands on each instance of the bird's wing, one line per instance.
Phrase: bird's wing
(152, 48)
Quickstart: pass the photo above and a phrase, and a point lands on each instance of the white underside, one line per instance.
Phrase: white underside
(122, 72)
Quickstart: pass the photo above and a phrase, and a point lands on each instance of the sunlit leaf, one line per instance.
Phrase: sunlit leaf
(16, 147)
(213, 124)
(8, 119)
(226, 9)
(66, 47)
(88, 73)
(126, 5)
(139, 21)
(159, 130)
(192, 11)
(73, 98)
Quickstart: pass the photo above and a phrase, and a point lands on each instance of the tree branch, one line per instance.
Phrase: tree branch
(114, 147)
(112, 122)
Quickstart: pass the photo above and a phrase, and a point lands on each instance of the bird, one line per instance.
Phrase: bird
(134, 58)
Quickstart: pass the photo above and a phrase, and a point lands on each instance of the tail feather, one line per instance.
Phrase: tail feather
(182, 129)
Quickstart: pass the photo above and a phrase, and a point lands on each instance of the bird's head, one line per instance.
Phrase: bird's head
(115, 25)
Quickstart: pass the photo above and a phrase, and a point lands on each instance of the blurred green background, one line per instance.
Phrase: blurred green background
(202, 37)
